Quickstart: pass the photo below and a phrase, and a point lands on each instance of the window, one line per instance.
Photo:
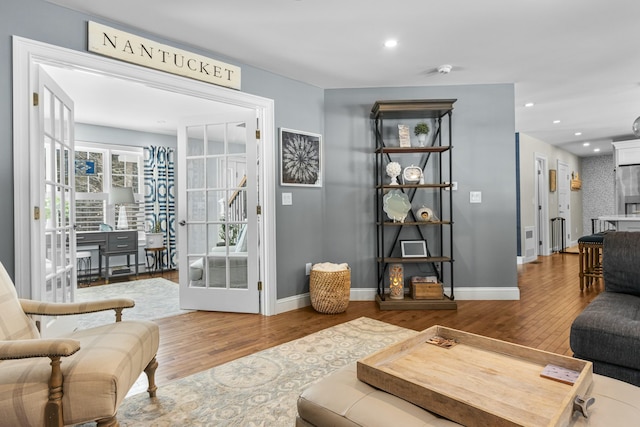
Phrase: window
(98, 168)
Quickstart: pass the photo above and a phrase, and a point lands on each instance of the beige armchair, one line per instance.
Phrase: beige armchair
(81, 377)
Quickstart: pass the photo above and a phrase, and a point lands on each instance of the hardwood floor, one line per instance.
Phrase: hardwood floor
(550, 300)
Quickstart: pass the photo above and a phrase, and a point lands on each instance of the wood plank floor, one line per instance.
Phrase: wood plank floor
(550, 300)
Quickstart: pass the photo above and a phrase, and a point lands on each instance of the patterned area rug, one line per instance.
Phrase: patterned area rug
(260, 389)
(155, 298)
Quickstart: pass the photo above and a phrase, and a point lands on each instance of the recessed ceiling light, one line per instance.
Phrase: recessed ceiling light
(586, 144)
(529, 104)
(596, 150)
(391, 43)
(555, 122)
(578, 133)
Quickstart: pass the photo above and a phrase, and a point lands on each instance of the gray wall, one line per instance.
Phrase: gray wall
(483, 160)
(298, 106)
(335, 222)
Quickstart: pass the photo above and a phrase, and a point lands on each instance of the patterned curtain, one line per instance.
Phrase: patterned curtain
(159, 197)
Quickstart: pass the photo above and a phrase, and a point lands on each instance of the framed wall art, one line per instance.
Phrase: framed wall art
(300, 158)
(552, 180)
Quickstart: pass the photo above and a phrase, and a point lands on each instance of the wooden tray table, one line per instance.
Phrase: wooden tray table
(479, 381)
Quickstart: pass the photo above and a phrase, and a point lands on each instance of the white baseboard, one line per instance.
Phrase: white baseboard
(292, 303)
(486, 293)
(369, 294)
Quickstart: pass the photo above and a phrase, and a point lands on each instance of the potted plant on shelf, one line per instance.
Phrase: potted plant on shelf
(154, 237)
(421, 130)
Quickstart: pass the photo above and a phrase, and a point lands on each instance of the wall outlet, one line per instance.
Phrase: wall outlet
(454, 186)
(307, 269)
(475, 197)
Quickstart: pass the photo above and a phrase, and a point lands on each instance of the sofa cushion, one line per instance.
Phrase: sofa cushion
(95, 381)
(608, 330)
(621, 262)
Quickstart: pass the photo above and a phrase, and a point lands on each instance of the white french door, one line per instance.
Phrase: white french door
(217, 213)
(53, 258)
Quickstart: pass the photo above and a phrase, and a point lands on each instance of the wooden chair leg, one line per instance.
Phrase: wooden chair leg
(150, 370)
(581, 259)
(53, 409)
(108, 422)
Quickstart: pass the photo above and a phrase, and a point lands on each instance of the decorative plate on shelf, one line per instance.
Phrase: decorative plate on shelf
(396, 205)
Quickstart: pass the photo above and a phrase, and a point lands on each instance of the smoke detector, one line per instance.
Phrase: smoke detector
(445, 69)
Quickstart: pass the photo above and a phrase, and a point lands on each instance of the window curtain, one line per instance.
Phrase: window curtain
(159, 197)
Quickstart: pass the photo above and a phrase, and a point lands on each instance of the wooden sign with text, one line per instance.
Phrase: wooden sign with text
(127, 47)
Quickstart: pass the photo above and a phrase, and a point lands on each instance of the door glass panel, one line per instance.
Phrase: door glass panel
(195, 173)
(196, 201)
(237, 138)
(197, 272)
(57, 116)
(215, 139)
(197, 239)
(238, 272)
(215, 205)
(195, 142)
(46, 109)
(67, 206)
(216, 172)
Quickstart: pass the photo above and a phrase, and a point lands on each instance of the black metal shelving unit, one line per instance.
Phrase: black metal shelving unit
(386, 115)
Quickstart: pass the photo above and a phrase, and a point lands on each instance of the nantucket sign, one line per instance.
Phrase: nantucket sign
(137, 50)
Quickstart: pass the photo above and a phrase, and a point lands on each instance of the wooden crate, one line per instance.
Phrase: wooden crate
(423, 289)
(479, 381)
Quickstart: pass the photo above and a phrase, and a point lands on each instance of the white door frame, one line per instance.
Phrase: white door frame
(541, 216)
(28, 53)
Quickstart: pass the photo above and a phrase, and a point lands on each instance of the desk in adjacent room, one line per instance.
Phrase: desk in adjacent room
(111, 243)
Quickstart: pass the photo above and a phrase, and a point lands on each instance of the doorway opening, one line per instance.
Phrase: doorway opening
(29, 55)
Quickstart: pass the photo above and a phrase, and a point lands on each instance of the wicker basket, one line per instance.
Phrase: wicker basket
(329, 290)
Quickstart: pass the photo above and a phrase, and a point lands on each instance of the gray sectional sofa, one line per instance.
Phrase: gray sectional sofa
(607, 332)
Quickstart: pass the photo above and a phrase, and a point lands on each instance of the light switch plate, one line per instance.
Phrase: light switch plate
(287, 199)
(475, 197)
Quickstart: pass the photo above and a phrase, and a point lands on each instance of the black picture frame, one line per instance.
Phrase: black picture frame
(300, 158)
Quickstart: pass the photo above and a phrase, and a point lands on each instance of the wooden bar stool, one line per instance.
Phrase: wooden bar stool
(590, 253)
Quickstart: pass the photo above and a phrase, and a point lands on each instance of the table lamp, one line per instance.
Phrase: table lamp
(122, 196)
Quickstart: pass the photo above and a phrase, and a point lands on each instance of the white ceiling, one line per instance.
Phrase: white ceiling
(576, 60)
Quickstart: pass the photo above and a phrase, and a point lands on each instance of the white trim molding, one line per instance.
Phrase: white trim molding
(487, 293)
(369, 294)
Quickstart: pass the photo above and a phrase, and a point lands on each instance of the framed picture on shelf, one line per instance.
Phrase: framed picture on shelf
(413, 248)
(300, 158)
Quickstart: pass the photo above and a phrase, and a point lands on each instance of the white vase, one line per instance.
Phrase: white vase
(422, 137)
